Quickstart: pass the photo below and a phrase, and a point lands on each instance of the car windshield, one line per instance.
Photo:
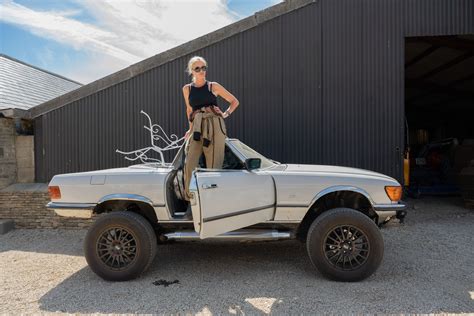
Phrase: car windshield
(248, 152)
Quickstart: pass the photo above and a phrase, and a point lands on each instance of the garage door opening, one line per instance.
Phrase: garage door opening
(439, 112)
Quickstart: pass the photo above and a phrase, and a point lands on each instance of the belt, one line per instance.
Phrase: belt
(203, 126)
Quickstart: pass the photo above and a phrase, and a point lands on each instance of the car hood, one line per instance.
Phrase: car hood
(299, 168)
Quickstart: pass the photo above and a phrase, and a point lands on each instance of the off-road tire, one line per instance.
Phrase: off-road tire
(140, 240)
(321, 244)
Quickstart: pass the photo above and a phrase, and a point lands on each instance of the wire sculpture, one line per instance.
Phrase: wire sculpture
(160, 142)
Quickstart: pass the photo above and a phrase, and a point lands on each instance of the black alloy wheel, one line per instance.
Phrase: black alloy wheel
(117, 248)
(345, 245)
(120, 246)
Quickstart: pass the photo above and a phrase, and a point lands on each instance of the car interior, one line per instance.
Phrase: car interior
(175, 185)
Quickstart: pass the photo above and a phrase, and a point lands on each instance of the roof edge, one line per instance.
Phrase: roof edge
(230, 30)
(40, 69)
(15, 113)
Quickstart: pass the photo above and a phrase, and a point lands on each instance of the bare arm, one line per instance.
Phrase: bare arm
(226, 95)
(189, 109)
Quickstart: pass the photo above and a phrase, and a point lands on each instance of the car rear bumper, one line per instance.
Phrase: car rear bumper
(78, 210)
(386, 212)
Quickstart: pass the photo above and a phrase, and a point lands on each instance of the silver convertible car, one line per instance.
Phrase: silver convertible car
(336, 211)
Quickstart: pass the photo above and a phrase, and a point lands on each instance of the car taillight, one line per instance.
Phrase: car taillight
(394, 192)
(54, 192)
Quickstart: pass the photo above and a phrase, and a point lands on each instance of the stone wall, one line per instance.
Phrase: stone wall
(28, 210)
(8, 168)
(25, 161)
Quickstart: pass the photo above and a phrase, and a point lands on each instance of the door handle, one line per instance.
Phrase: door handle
(209, 186)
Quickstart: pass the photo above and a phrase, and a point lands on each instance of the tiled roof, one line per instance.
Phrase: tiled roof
(23, 86)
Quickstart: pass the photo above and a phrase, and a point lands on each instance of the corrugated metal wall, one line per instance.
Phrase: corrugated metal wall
(321, 84)
(438, 17)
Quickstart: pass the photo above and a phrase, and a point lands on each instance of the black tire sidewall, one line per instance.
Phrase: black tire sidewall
(145, 244)
(329, 220)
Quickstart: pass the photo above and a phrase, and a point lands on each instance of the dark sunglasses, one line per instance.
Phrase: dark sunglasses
(198, 69)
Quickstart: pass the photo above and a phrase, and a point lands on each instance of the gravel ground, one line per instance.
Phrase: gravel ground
(427, 268)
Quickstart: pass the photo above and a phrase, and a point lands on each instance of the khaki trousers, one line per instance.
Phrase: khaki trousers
(213, 134)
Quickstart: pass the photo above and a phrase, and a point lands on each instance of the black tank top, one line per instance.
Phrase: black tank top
(201, 96)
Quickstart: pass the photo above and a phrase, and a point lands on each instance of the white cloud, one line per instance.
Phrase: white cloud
(126, 31)
(65, 30)
(96, 66)
(148, 27)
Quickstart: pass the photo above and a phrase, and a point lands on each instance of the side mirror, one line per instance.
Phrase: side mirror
(252, 163)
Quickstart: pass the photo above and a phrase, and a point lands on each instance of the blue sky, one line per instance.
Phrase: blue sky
(85, 40)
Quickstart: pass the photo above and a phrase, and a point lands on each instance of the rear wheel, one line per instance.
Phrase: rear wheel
(120, 246)
(345, 245)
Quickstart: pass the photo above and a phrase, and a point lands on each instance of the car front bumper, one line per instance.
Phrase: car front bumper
(78, 210)
(386, 212)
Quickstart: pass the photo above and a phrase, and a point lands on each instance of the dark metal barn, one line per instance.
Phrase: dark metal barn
(318, 82)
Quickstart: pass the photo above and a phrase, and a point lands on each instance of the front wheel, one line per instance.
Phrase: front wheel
(120, 246)
(345, 245)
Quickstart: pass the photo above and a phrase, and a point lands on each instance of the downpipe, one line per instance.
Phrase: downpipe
(234, 235)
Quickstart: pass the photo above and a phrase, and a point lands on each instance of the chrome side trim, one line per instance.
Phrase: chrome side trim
(176, 221)
(280, 221)
(187, 221)
(130, 197)
(72, 206)
(244, 234)
(340, 188)
(255, 209)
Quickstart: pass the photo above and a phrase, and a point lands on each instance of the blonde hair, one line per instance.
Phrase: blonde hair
(191, 62)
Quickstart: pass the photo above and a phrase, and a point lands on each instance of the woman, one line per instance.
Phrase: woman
(207, 130)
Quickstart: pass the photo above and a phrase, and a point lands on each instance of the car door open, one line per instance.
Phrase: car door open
(226, 200)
